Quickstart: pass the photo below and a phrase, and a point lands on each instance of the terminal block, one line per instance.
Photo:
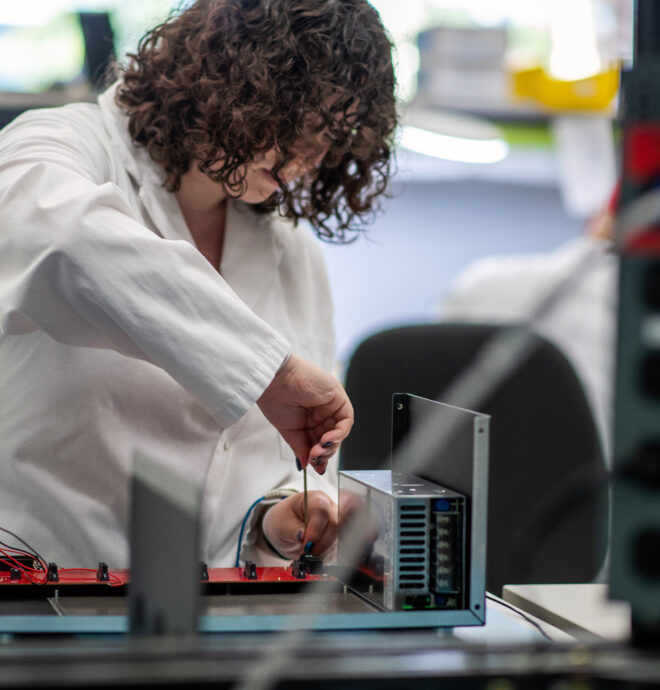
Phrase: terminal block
(52, 574)
(250, 570)
(102, 574)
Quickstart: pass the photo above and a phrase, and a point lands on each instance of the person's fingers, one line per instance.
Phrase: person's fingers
(338, 412)
(319, 464)
(308, 444)
(282, 524)
(324, 427)
(322, 460)
(337, 433)
(322, 526)
(298, 441)
(297, 503)
(325, 445)
(328, 442)
(309, 407)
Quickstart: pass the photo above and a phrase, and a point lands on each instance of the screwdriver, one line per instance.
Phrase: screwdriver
(305, 506)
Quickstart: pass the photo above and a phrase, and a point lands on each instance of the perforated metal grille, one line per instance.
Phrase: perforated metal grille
(413, 552)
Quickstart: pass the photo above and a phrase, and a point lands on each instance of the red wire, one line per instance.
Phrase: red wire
(85, 579)
(114, 581)
(21, 566)
(117, 581)
(25, 572)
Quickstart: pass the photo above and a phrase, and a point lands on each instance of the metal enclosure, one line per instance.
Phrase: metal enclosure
(417, 560)
(421, 542)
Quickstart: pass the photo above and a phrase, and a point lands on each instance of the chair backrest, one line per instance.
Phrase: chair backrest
(544, 445)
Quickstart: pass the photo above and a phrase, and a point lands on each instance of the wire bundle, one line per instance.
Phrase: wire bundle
(39, 575)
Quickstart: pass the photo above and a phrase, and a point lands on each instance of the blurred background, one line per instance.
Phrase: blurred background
(508, 143)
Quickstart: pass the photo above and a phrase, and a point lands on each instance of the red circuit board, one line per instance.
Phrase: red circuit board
(118, 578)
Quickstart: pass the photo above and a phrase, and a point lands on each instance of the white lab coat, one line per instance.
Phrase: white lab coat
(116, 336)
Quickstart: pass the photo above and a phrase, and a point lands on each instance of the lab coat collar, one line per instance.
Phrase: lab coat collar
(252, 251)
(253, 243)
(135, 159)
(148, 175)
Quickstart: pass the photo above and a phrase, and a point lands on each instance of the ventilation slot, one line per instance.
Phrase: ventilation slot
(413, 532)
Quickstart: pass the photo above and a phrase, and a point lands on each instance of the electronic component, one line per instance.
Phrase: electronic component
(20, 561)
(52, 575)
(413, 541)
(298, 570)
(312, 564)
(102, 573)
(250, 570)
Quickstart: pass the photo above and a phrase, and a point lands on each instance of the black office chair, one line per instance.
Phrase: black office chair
(546, 507)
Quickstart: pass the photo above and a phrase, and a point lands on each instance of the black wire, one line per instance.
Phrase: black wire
(531, 621)
(18, 551)
(32, 550)
(14, 548)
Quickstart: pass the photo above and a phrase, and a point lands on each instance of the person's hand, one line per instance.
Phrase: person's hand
(310, 409)
(284, 525)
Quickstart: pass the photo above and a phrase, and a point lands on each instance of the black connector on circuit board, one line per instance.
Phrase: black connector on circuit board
(250, 570)
(298, 570)
(102, 573)
(312, 564)
(52, 574)
(307, 565)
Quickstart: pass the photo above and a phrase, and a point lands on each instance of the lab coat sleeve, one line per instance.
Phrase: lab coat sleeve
(75, 263)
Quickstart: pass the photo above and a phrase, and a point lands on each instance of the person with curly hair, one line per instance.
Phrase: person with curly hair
(158, 293)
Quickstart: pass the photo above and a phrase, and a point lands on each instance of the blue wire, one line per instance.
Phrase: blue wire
(240, 534)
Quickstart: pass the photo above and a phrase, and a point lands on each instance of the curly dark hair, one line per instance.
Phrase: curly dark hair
(225, 81)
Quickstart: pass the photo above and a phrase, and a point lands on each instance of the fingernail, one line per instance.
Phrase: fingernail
(308, 546)
(299, 535)
(298, 465)
(318, 459)
(327, 444)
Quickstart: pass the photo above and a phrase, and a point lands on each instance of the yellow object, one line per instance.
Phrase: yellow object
(592, 93)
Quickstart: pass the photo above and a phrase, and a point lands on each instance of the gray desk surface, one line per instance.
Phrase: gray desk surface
(506, 652)
(107, 615)
(582, 610)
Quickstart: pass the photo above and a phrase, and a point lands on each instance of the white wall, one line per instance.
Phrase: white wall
(441, 218)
